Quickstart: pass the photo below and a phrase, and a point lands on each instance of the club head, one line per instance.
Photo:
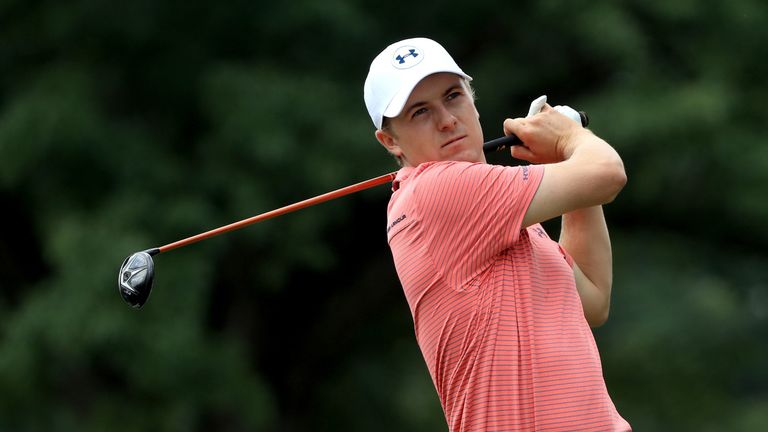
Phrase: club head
(136, 277)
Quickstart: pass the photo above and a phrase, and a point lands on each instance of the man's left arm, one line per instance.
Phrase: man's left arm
(584, 235)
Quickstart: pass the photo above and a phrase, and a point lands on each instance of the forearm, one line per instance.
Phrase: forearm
(584, 236)
(599, 166)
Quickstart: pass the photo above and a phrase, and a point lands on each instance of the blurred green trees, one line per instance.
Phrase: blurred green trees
(128, 126)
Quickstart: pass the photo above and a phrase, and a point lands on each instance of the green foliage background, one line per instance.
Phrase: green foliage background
(130, 125)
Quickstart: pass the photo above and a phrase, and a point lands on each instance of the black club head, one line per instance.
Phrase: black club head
(137, 274)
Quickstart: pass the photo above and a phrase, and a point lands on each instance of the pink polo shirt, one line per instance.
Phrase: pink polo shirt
(495, 307)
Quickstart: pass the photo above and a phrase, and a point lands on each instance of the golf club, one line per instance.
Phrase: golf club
(137, 273)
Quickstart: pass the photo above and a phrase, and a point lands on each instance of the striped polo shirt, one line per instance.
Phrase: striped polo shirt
(495, 307)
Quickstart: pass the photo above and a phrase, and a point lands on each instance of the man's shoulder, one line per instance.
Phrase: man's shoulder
(448, 169)
(444, 180)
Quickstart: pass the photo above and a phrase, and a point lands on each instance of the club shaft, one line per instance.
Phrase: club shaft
(489, 147)
(281, 211)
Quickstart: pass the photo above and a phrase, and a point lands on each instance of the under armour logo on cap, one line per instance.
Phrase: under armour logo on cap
(407, 56)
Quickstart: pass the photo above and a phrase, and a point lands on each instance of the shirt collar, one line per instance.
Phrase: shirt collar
(402, 175)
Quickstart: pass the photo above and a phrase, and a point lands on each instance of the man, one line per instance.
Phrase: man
(502, 313)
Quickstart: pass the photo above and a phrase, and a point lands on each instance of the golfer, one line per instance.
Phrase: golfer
(501, 312)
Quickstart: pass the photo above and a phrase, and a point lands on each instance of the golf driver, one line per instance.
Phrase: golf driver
(137, 273)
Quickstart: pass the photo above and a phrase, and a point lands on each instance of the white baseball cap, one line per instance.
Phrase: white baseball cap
(396, 71)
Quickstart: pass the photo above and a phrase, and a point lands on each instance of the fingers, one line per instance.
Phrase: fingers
(523, 153)
(514, 127)
(519, 127)
(542, 132)
(539, 135)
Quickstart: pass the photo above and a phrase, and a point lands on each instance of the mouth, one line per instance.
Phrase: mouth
(453, 140)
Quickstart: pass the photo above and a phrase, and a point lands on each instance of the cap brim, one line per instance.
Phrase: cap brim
(397, 103)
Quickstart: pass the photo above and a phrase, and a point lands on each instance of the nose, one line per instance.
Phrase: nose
(445, 119)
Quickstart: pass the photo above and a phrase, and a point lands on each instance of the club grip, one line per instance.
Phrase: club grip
(508, 141)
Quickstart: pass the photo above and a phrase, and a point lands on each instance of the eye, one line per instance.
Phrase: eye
(453, 95)
(418, 112)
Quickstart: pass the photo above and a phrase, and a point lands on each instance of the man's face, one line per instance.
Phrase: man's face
(438, 122)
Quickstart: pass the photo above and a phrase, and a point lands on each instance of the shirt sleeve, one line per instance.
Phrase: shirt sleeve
(472, 213)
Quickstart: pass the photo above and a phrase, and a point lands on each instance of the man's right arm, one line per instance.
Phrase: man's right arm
(582, 172)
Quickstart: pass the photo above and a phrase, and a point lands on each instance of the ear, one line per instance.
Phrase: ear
(389, 142)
